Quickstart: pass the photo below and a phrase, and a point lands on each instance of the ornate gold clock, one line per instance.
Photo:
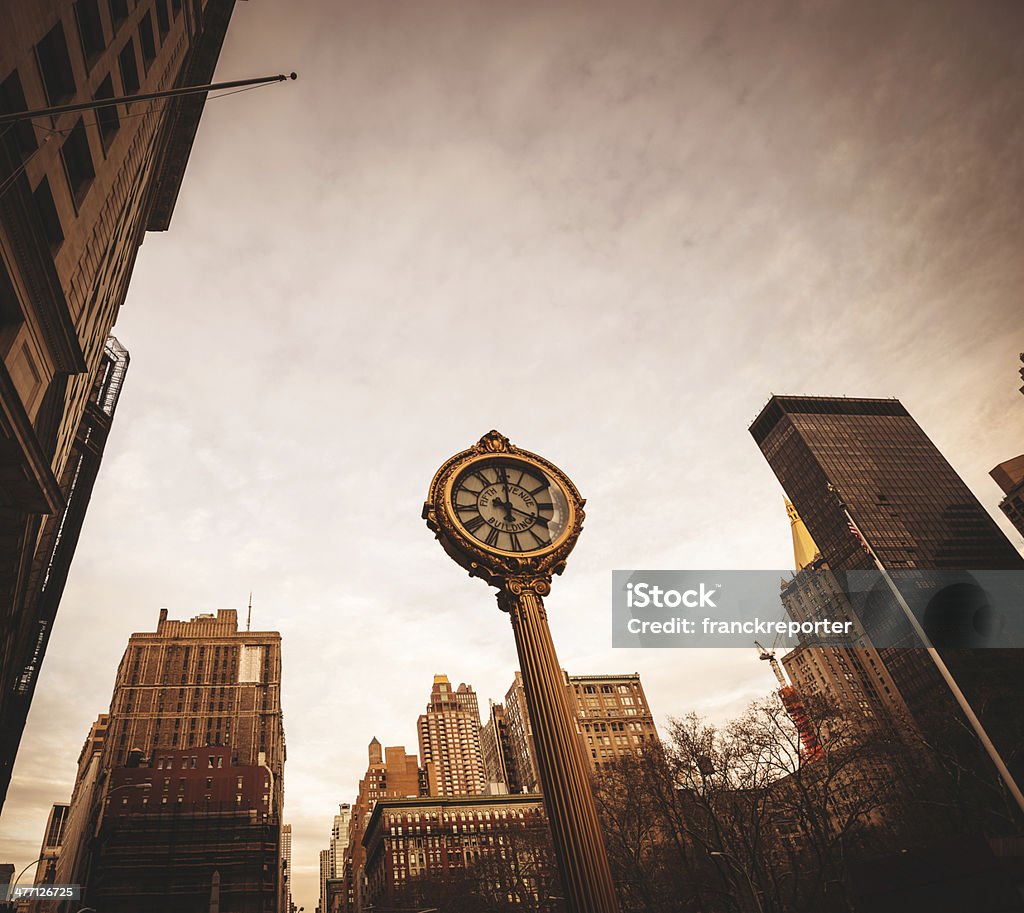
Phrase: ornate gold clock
(504, 512)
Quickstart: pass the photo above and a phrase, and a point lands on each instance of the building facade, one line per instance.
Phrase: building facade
(496, 844)
(190, 771)
(339, 839)
(449, 741)
(496, 753)
(53, 840)
(1009, 476)
(186, 825)
(200, 683)
(325, 873)
(78, 191)
(390, 774)
(286, 868)
(917, 514)
(612, 716)
(855, 681)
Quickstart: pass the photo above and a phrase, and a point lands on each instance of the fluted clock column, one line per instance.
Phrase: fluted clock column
(563, 769)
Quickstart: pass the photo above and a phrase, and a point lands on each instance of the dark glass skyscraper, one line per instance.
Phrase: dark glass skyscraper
(916, 513)
(908, 501)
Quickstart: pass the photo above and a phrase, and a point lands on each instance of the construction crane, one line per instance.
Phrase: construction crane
(810, 745)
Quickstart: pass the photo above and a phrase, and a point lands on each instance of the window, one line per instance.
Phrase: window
(55, 66)
(146, 40)
(162, 20)
(90, 30)
(118, 12)
(109, 123)
(12, 99)
(54, 233)
(129, 68)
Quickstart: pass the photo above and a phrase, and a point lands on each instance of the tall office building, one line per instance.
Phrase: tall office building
(612, 716)
(73, 858)
(1009, 476)
(522, 758)
(325, 870)
(449, 736)
(53, 839)
(286, 868)
(390, 774)
(496, 751)
(854, 681)
(199, 683)
(78, 191)
(339, 839)
(916, 513)
(194, 749)
(910, 504)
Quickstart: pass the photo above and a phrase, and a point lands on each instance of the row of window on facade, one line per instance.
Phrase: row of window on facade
(58, 79)
(180, 800)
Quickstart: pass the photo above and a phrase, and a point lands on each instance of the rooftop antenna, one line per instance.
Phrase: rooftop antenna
(248, 620)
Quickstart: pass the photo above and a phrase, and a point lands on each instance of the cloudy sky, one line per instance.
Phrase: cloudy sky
(609, 230)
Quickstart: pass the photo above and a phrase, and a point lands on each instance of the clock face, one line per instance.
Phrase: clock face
(510, 505)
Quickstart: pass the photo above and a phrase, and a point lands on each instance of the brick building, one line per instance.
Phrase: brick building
(390, 774)
(612, 715)
(187, 772)
(439, 839)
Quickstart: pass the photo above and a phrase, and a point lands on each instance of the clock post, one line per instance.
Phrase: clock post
(511, 518)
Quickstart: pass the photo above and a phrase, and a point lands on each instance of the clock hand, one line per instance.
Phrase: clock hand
(508, 508)
(533, 517)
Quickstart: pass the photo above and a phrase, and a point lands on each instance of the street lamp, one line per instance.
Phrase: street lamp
(14, 883)
(735, 865)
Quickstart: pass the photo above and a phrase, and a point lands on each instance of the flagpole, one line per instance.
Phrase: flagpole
(96, 103)
(961, 699)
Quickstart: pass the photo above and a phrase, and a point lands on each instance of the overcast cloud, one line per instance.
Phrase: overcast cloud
(609, 230)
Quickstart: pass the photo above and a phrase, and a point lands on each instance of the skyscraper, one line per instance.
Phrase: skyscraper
(449, 736)
(78, 191)
(496, 752)
(855, 681)
(286, 868)
(198, 683)
(325, 871)
(390, 774)
(916, 513)
(339, 839)
(908, 501)
(53, 839)
(194, 750)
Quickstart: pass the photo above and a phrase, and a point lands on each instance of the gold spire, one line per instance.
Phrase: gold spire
(804, 549)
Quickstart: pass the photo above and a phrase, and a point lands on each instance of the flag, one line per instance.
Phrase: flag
(852, 527)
